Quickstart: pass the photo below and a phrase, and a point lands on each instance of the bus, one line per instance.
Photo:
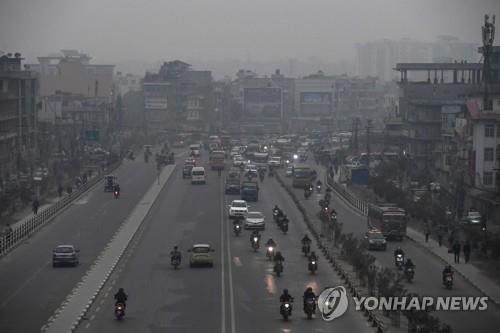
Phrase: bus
(389, 219)
(216, 160)
(302, 175)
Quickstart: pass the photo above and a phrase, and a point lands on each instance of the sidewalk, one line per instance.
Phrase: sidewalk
(471, 273)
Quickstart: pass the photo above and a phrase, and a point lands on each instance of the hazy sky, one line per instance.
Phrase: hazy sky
(119, 30)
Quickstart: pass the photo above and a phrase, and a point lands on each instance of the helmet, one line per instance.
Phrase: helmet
(175, 247)
(120, 290)
(309, 290)
(285, 291)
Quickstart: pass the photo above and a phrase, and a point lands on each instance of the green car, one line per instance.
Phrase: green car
(201, 255)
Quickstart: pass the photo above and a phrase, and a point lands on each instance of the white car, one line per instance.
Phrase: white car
(235, 152)
(275, 161)
(238, 161)
(255, 220)
(238, 209)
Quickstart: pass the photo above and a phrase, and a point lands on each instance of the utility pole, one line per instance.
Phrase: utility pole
(488, 34)
(355, 125)
(368, 151)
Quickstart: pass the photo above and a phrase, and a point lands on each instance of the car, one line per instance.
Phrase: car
(238, 161)
(255, 220)
(375, 240)
(274, 161)
(238, 209)
(289, 171)
(198, 175)
(235, 152)
(190, 161)
(186, 171)
(473, 218)
(232, 185)
(194, 150)
(201, 255)
(251, 170)
(234, 173)
(65, 254)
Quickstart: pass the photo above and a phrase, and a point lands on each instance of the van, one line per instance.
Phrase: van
(198, 175)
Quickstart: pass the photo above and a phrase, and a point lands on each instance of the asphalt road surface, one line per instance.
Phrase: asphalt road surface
(427, 281)
(30, 288)
(239, 294)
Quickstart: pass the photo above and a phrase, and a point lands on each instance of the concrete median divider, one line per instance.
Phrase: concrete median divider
(71, 312)
(371, 317)
(21, 232)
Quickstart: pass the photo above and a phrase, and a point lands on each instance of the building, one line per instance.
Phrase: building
(178, 98)
(71, 72)
(126, 82)
(18, 122)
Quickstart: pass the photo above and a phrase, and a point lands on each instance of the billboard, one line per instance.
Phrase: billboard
(315, 103)
(262, 103)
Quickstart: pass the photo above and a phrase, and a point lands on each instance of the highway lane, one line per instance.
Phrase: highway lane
(240, 294)
(30, 289)
(428, 270)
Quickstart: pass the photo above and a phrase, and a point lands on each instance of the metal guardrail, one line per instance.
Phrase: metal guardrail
(36, 222)
(359, 204)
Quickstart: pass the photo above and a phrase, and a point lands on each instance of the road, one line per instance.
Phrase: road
(428, 270)
(30, 288)
(239, 294)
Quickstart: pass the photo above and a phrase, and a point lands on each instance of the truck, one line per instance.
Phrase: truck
(216, 160)
(249, 191)
(359, 176)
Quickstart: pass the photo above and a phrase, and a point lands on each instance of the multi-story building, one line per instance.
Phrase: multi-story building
(178, 98)
(18, 123)
(126, 82)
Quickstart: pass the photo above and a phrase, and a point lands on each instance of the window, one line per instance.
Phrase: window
(487, 178)
(489, 130)
(488, 154)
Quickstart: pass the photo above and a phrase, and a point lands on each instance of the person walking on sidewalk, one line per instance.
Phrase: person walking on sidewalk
(36, 204)
(427, 232)
(466, 250)
(456, 252)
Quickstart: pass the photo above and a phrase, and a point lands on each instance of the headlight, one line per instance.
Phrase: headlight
(287, 305)
(255, 239)
(270, 249)
(314, 262)
(295, 156)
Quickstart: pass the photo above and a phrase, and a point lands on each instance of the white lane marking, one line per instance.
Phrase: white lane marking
(223, 291)
(231, 291)
(92, 318)
(97, 309)
(28, 281)
(237, 261)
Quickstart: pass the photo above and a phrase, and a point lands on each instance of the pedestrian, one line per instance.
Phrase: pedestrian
(440, 237)
(466, 250)
(36, 204)
(59, 190)
(456, 252)
(427, 232)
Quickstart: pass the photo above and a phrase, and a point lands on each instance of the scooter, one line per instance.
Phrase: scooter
(119, 310)
(400, 260)
(310, 307)
(255, 244)
(270, 252)
(237, 229)
(286, 310)
(278, 268)
(448, 280)
(313, 266)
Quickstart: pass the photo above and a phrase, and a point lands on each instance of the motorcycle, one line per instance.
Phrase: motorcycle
(119, 310)
(307, 193)
(270, 253)
(409, 274)
(448, 280)
(310, 307)
(275, 215)
(306, 248)
(286, 310)
(284, 226)
(237, 229)
(175, 261)
(400, 260)
(318, 188)
(255, 244)
(278, 268)
(117, 194)
(313, 266)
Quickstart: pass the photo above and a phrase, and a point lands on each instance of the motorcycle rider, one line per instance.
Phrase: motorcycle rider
(286, 297)
(255, 233)
(309, 294)
(409, 264)
(313, 257)
(447, 270)
(121, 297)
(400, 251)
(175, 254)
(306, 240)
(278, 257)
(270, 242)
(116, 188)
